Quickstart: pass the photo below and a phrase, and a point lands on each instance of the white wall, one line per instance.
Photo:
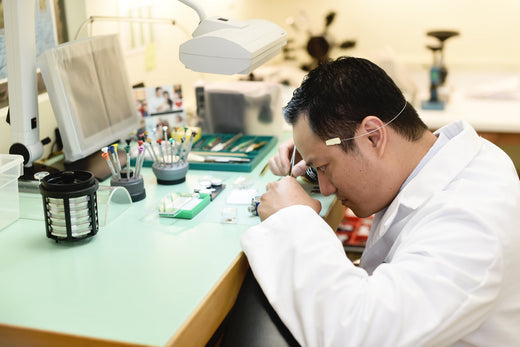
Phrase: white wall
(489, 29)
(489, 34)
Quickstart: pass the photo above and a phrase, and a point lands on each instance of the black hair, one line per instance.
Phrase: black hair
(338, 94)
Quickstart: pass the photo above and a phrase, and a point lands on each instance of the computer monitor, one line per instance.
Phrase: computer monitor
(91, 97)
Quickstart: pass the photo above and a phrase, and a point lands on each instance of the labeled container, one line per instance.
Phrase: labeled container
(11, 167)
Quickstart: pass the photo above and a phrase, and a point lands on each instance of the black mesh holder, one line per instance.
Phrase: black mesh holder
(70, 205)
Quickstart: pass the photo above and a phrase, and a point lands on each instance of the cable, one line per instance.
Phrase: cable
(337, 140)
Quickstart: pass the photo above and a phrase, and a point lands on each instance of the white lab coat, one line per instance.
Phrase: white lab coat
(452, 277)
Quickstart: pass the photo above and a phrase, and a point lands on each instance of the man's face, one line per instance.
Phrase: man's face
(353, 177)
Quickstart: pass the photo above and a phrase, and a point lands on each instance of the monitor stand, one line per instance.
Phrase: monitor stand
(96, 164)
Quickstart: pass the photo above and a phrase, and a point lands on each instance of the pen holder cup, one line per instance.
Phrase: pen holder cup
(134, 185)
(169, 174)
(70, 205)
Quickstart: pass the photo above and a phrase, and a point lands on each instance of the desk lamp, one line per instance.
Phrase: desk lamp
(220, 45)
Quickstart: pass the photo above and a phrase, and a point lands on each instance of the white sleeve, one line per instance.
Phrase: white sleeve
(290, 250)
(431, 294)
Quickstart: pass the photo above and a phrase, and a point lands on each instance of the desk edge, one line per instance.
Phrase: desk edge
(198, 329)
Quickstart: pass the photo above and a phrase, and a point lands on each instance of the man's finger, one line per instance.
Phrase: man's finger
(299, 169)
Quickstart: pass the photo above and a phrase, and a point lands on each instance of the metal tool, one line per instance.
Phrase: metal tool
(212, 143)
(292, 160)
(223, 145)
(242, 145)
(220, 159)
(224, 154)
(255, 146)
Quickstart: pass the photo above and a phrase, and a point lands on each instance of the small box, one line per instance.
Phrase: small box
(183, 205)
(11, 167)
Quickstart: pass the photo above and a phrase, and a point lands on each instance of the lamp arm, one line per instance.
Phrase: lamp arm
(83, 26)
(196, 7)
(192, 4)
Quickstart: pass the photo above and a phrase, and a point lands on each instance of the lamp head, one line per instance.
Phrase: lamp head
(225, 46)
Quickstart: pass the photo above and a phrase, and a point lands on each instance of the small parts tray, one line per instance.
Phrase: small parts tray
(202, 158)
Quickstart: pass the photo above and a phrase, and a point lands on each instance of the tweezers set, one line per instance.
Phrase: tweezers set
(219, 143)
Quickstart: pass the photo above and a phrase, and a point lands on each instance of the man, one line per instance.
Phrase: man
(156, 101)
(442, 262)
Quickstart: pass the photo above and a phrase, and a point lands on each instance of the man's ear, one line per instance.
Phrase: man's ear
(375, 131)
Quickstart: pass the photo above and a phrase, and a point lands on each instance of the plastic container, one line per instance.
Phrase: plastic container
(70, 205)
(11, 167)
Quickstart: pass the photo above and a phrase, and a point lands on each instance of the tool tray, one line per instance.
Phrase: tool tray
(254, 156)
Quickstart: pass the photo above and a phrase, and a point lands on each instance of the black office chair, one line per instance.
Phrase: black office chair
(252, 322)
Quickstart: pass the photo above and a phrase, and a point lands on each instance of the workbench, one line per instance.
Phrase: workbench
(142, 280)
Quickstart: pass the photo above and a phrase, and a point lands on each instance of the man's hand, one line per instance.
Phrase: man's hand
(280, 163)
(284, 193)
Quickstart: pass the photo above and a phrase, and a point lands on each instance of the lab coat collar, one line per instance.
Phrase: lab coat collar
(462, 146)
